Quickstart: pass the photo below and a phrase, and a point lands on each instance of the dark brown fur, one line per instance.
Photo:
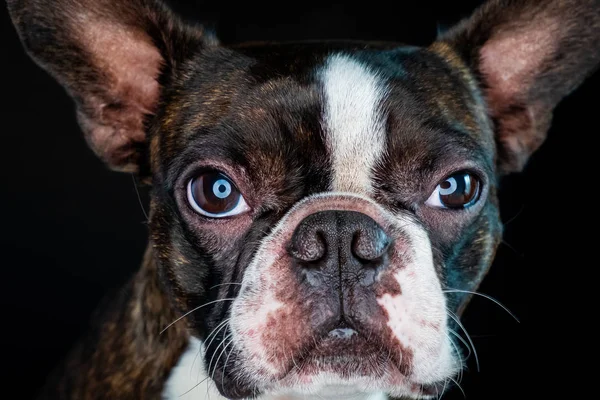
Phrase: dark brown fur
(171, 96)
(124, 357)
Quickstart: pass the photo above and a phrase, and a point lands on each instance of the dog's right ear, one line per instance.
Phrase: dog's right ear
(526, 56)
(111, 56)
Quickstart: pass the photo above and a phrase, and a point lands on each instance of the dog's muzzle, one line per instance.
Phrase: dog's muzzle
(342, 292)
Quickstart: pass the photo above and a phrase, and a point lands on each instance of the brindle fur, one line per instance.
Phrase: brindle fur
(123, 357)
(449, 109)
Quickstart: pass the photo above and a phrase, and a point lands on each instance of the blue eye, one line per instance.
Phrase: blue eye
(213, 194)
(460, 190)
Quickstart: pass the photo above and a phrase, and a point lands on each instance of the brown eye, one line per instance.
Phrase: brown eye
(214, 195)
(460, 190)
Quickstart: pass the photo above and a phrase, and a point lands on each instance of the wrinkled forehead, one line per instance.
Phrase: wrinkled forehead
(334, 111)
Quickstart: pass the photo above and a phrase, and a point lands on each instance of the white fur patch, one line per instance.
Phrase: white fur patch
(188, 382)
(417, 316)
(332, 392)
(353, 122)
(188, 379)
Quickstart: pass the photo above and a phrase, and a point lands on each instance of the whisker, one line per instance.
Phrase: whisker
(208, 387)
(191, 311)
(463, 341)
(444, 388)
(194, 362)
(512, 248)
(227, 359)
(514, 217)
(213, 338)
(193, 387)
(215, 353)
(215, 332)
(223, 284)
(221, 354)
(437, 393)
(137, 192)
(460, 387)
(460, 358)
(455, 318)
(485, 296)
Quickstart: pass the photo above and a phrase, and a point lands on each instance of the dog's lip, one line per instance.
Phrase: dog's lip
(349, 353)
(343, 342)
(343, 339)
(343, 351)
(342, 333)
(354, 355)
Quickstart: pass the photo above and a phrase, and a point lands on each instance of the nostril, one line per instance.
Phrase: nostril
(339, 239)
(370, 244)
(308, 246)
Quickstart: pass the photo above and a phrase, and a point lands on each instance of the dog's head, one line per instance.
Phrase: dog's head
(327, 204)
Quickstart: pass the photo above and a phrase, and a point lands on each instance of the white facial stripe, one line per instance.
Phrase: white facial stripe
(353, 122)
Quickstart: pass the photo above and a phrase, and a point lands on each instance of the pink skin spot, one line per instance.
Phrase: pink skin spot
(415, 388)
(279, 333)
(429, 324)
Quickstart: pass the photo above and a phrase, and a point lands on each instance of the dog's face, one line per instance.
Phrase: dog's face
(333, 194)
(326, 205)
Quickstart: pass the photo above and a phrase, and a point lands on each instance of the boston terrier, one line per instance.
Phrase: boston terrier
(321, 212)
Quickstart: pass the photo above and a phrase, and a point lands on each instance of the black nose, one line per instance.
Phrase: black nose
(346, 240)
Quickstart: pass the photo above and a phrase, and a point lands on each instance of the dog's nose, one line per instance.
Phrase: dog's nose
(339, 240)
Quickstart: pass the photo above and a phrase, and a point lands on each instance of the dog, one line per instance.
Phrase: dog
(320, 212)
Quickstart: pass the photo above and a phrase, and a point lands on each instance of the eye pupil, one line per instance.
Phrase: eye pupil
(460, 190)
(449, 186)
(222, 188)
(213, 194)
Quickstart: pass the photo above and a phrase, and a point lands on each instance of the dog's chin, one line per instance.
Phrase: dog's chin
(355, 366)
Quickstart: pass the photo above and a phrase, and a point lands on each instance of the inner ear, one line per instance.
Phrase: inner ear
(511, 65)
(129, 60)
(111, 56)
(527, 55)
(511, 61)
(113, 116)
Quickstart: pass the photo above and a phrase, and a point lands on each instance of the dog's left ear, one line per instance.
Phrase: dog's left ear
(527, 56)
(113, 57)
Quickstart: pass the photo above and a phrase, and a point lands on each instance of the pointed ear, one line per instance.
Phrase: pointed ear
(111, 56)
(527, 55)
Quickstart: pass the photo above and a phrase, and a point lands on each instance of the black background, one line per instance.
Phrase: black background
(71, 230)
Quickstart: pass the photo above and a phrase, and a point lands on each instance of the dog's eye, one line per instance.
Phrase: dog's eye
(460, 190)
(214, 195)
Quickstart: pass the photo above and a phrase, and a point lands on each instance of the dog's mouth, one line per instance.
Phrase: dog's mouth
(353, 355)
(343, 351)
